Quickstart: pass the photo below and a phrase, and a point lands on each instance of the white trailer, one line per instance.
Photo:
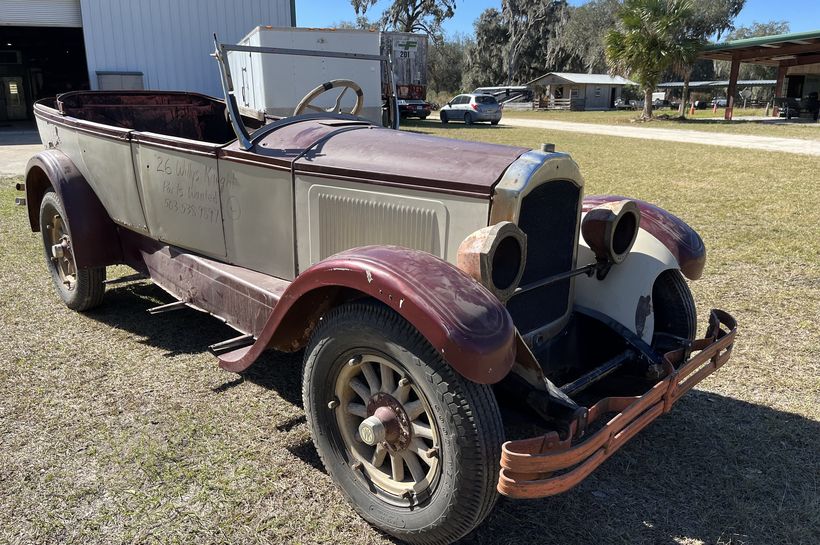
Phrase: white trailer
(274, 84)
(409, 55)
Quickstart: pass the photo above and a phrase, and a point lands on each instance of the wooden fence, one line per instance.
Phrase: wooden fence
(549, 103)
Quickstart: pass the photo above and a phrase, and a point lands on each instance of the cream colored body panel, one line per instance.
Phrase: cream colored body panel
(333, 215)
(106, 164)
(625, 295)
(181, 198)
(257, 204)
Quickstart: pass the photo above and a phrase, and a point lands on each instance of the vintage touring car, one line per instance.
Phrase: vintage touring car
(425, 294)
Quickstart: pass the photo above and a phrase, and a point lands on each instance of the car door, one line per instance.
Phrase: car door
(460, 106)
(450, 107)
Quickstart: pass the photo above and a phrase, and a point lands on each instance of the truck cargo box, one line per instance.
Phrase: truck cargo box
(274, 84)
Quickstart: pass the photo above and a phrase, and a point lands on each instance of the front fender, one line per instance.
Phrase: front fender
(94, 235)
(682, 241)
(463, 321)
(664, 242)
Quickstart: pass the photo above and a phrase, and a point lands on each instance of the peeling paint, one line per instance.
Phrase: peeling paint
(369, 276)
(401, 302)
(643, 310)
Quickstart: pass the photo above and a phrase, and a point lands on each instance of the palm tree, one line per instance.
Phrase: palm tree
(683, 57)
(648, 41)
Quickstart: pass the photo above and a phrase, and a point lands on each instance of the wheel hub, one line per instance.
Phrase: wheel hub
(387, 423)
(61, 251)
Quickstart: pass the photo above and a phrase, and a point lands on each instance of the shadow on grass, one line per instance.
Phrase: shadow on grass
(187, 331)
(694, 121)
(715, 470)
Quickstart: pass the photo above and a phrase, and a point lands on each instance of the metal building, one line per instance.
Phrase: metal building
(52, 46)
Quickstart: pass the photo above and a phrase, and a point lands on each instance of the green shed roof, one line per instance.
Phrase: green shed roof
(764, 40)
(793, 48)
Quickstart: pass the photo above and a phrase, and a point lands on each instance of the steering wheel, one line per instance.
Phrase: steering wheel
(344, 84)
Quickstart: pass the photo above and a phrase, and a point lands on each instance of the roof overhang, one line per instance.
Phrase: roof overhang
(783, 49)
(719, 83)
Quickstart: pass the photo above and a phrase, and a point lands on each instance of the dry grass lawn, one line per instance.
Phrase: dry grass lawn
(117, 427)
(702, 120)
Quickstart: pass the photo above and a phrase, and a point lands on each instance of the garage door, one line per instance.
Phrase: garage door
(62, 13)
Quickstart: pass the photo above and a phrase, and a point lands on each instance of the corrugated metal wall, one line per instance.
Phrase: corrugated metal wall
(64, 13)
(170, 42)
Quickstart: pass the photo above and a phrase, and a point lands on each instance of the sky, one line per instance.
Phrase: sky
(802, 15)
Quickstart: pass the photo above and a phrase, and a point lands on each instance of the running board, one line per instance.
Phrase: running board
(177, 305)
(231, 344)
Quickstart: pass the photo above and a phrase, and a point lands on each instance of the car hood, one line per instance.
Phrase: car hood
(361, 152)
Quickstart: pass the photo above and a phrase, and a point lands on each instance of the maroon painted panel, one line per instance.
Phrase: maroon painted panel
(94, 236)
(243, 298)
(681, 240)
(385, 155)
(469, 327)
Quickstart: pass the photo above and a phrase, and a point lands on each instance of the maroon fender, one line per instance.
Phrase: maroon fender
(681, 240)
(469, 327)
(94, 235)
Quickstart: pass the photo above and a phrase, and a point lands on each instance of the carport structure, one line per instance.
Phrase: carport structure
(796, 56)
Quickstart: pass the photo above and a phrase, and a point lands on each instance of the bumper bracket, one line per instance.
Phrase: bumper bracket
(547, 465)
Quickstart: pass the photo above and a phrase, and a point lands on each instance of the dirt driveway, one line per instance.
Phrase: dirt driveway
(17, 145)
(746, 141)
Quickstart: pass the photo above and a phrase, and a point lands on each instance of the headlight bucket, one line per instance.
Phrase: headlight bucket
(610, 230)
(495, 256)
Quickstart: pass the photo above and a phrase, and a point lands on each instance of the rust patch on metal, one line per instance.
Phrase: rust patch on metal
(395, 420)
(477, 257)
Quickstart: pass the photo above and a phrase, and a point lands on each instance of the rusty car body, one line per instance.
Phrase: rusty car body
(311, 232)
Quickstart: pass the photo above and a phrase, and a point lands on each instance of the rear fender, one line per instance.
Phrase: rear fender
(466, 324)
(95, 238)
(664, 242)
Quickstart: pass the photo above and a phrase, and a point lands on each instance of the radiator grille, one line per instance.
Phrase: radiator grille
(549, 216)
(346, 222)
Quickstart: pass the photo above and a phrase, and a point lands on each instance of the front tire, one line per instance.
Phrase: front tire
(426, 473)
(82, 289)
(443, 117)
(675, 313)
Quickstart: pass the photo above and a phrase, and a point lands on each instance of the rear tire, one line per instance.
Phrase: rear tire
(468, 118)
(458, 418)
(443, 117)
(80, 290)
(494, 122)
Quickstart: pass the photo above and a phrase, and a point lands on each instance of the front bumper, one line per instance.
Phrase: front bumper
(547, 465)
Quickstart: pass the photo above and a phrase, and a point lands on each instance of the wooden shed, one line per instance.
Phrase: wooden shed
(572, 91)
